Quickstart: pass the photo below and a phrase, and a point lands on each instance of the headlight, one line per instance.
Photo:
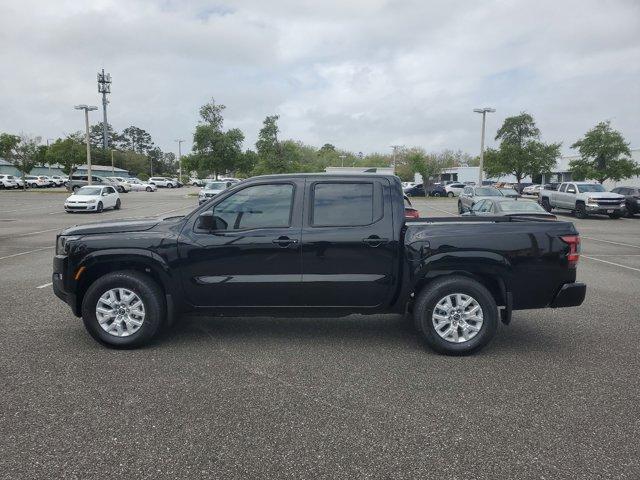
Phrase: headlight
(62, 245)
(91, 201)
(592, 201)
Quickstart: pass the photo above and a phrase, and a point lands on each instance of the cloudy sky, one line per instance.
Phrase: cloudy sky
(361, 74)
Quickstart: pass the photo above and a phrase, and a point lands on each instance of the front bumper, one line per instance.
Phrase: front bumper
(81, 207)
(605, 209)
(569, 295)
(58, 278)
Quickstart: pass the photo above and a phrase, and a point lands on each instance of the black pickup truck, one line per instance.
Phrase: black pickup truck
(310, 245)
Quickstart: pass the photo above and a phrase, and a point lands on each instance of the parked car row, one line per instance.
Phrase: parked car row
(121, 184)
(31, 181)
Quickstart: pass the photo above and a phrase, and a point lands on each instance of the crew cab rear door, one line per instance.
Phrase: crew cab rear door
(243, 250)
(348, 249)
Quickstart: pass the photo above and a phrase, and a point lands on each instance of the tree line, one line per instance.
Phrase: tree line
(603, 152)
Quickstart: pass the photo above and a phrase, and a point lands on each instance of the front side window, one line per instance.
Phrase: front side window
(571, 188)
(259, 206)
(563, 187)
(342, 204)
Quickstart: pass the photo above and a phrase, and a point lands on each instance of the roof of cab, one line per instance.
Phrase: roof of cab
(327, 175)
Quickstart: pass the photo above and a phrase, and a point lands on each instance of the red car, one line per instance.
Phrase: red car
(410, 212)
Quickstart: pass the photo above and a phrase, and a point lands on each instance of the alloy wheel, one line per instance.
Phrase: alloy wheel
(457, 317)
(120, 312)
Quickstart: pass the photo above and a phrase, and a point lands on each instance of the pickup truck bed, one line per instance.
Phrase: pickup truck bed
(316, 244)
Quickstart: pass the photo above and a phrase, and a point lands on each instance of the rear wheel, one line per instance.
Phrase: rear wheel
(456, 315)
(170, 185)
(75, 188)
(581, 211)
(118, 204)
(148, 189)
(450, 195)
(123, 309)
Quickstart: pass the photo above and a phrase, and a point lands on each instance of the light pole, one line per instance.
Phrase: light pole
(179, 142)
(395, 151)
(87, 109)
(47, 149)
(484, 112)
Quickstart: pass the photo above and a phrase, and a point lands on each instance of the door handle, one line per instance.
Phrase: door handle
(374, 241)
(284, 241)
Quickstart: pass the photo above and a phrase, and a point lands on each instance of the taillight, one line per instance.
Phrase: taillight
(411, 213)
(574, 249)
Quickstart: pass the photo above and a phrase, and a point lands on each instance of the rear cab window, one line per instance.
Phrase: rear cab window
(344, 203)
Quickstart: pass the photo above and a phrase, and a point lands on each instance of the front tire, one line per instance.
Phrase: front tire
(460, 209)
(581, 211)
(456, 315)
(546, 205)
(170, 185)
(450, 195)
(123, 309)
(100, 207)
(148, 189)
(118, 204)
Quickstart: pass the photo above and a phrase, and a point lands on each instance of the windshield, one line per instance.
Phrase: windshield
(521, 206)
(89, 191)
(488, 192)
(591, 187)
(215, 186)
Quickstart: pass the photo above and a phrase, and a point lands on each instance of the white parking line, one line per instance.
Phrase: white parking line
(32, 233)
(27, 253)
(45, 285)
(611, 263)
(609, 241)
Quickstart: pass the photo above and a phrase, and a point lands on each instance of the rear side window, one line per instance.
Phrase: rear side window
(342, 204)
(563, 187)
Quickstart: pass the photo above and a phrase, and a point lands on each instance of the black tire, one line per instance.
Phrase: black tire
(450, 194)
(170, 185)
(148, 189)
(440, 288)
(546, 205)
(120, 189)
(145, 288)
(581, 211)
(460, 209)
(615, 215)
(75, 188)
(118, 204)
(100, 207)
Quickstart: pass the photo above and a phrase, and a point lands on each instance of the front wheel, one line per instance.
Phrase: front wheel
(170, 185)
(460, 209)
(456, 315)
(123, 309)
(118, 204)
(546, 205)
(100, 207)
(581, 211)
(148, 189)
(75, 188)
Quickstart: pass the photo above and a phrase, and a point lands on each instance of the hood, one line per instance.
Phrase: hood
(611, 195)
(115, 226)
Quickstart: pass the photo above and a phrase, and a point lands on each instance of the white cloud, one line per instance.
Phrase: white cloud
(360, 74)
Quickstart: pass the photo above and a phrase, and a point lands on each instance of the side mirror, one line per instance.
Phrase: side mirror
(209, 222)
(104, 194)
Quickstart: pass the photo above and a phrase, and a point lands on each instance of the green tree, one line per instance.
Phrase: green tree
(135, 139)
(216, 150)
(428, 166)
(69, 153)
(21, 151)
(521, 152)
(604, 154)
(272, 158)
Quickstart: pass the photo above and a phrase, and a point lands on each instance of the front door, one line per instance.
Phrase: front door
(244, 250)
(348, 249)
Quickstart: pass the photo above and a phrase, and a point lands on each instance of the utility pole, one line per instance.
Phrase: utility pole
(48, 149)
(484, 112)
(104, 87)
(395, 152)
(87, 109)
(179, 142)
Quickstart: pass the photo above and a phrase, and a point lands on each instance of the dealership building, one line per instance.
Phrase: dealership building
(6, 168)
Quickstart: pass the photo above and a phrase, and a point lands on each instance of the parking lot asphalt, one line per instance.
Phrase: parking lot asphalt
(555, 395)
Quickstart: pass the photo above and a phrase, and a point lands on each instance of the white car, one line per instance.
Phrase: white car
(140, 186)
(36, 181)
(92, 198)
(8, 181)
(211, 189)
(123, 185)
(163, 182)
(196, 182)
(454, 189)
(532, 190)
(58, 180)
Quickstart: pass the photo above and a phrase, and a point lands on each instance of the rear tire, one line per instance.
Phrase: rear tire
(75, 188)
(141, 285)
(148, 189)
(118, 204)
(450, 195)
(170, 185)
(430, 297)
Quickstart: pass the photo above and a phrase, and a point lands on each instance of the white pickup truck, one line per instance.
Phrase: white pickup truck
(583, 198)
